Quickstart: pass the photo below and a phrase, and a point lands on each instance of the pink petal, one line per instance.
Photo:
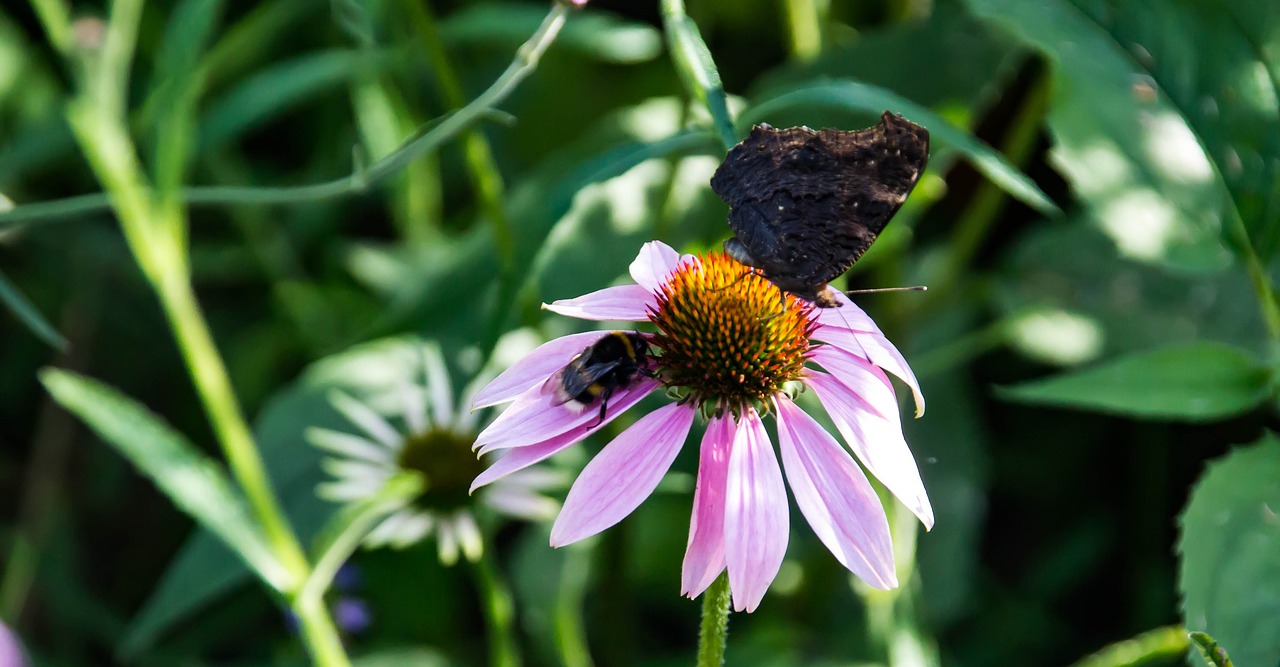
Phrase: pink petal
(620, 302)
(655, 262)
(756, 521)
(849, 316)
(877, 349)
(523, 457)
(623, 474)
(704, 556)
(535, 367)
(835, 497)
(535, 416)
(876, 441)
(857, 373)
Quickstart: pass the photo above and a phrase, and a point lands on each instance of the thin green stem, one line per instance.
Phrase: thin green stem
(804, 27)
(1161, 644)
(320, 634)
(1258, 278)
(571, 636)
(55, 16)
(499, 612)
(713, 635)
(526, 60)
(984, 208)
(697, 69)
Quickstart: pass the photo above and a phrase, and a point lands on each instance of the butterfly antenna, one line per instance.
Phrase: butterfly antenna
(913, 288)
(735, 281)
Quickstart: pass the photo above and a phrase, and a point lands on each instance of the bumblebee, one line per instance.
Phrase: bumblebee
(610, 364)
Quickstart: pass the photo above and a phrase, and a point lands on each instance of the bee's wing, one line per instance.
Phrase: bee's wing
(576, 378)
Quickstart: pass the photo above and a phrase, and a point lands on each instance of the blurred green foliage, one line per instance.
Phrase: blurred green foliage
(1097, 228)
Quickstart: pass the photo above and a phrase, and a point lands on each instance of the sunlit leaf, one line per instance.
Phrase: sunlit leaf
(1194, 382)
(1228, 572)
(1157, 137)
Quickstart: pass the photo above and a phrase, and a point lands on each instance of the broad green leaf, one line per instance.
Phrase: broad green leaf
(856, 96)
(196, 485)
(1194, 382)
(1228, 572)
(1166, 143)
(27, 313)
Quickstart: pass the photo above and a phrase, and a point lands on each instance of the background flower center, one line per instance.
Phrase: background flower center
(449, 464)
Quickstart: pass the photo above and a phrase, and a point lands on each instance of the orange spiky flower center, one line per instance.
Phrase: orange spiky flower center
(729, 338)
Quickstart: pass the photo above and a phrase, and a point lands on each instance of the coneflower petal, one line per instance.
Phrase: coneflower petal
(623, 474)
(704, 555)
(876, 441)
(653, 264)
(628, 303)
(534, 368)
(835, 497)
(756, 522)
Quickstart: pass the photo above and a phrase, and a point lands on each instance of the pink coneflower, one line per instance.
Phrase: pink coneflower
(731, 349)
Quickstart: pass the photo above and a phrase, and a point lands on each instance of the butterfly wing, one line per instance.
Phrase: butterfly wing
(807, 204)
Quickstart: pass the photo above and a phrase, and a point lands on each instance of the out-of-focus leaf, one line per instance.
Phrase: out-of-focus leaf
(591, 33)
(178, 85)
(1136, 305)
(1157, 137)
(1194, 382)
(856, 96)
(277, 89)
(1228, 572)
(194, 483)
(375, 373)
(27, 313)
(401, 657)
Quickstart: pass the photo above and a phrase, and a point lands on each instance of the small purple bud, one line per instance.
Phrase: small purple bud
(352, 615)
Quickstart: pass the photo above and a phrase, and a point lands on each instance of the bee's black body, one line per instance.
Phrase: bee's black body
(609, 364)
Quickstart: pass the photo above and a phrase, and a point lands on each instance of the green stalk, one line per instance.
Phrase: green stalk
(526, 60)
(499, 612)
(804, 28)
(571, 636)
(156, 236)
(696, 68)
(713, 636)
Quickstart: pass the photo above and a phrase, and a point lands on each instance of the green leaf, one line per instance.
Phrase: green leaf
(29, 315)
(1194, 382)
(197, 485)
(1162, 140)
(857, 96)
(1229, 574)
(374, 372)
(593, 33)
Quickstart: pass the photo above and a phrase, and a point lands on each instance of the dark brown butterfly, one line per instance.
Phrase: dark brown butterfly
(805, 205)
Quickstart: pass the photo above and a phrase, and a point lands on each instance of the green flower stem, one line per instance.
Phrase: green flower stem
(984, 208)
(320, 634)
(55, 16)
(499, 612)
(714, 634)
(804, 27)
(526, 60)
(157, 237)
(1258, 278)
(1165, 644)
(571, 636)
(696, 68)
